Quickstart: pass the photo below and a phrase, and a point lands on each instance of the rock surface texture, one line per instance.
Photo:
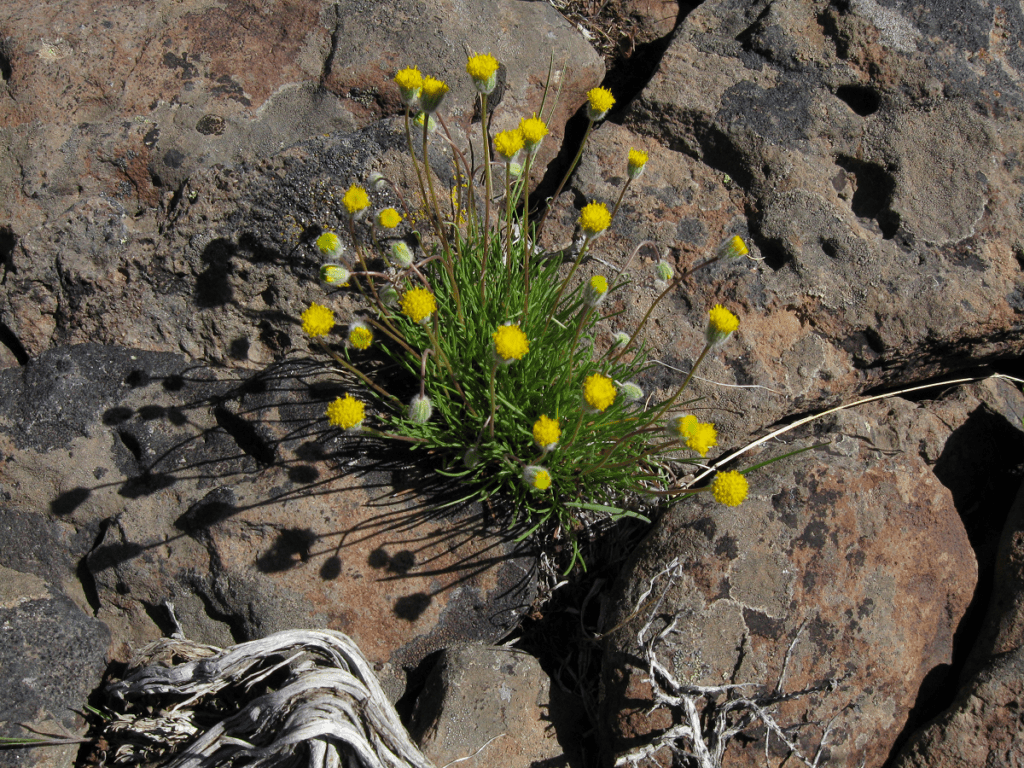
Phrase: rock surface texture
(165, 169)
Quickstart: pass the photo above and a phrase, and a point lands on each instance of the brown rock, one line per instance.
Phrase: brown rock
(983, 727)
(855, 552)
(238, 503)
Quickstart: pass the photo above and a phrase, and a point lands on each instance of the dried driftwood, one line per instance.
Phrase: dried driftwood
(295, 698)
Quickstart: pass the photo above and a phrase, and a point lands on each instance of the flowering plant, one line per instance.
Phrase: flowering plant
(507, 373)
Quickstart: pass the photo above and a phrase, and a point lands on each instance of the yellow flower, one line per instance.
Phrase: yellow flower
(418, 304)
(317, 320)
(483, 68)
(510, 343)
(594, 219)
(599, 101)
(596, 291)
(433, 91)
(637, 163)
(733, 248)
(598, 391)
(508, 143)
(410, 82)
(537, 477)
(360, 335)
(546, 433)
(355, 200)
(334, 274)
(721, 324)
(389, 218)
(702, 438)
(730, 488)
(534, 131)
(329, 244)
(682, 426)
(346, 413)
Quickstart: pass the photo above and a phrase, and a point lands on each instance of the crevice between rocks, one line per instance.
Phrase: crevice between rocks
(626, 78)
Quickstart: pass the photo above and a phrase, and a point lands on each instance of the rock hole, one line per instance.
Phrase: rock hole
(5, 61)
(131, 443)
(872, 195)
(861, 99)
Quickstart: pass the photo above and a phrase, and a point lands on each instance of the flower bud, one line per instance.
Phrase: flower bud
(401, 254)
(665, 271)
(631, 391)
(420, 409)
(620, 339)
(329, 244)
(334, 275)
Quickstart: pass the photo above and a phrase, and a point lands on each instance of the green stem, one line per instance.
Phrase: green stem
(356, 372)
(568, 173)
(436, 211)
(494, 374)
(669, 403)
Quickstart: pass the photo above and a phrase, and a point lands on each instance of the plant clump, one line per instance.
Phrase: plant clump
(515, 393)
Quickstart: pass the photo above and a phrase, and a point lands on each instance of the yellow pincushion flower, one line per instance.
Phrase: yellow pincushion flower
(594, 219)
(389, 218)
(317, 320)
(483, 68)
(733, 248)
(410, 83)
(355, 200)
(730, 488)
(721, 324)
(418, 304)
(433, 91)
(537, 478)
(510, 343)
(596, 291)
(599, 101)
(599, 391)
(508, 143)
(637, 163)
(682, 427)
(702, 438)
(359, 335)
(546, 433)
(534, 130)
(346, 413)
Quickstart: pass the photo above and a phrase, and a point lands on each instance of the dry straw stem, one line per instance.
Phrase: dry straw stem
(814, 417)
(711, 715)
(329, 710)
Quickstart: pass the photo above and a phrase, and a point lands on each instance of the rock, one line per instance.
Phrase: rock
(52, 657)
(875, 174)
(853, 554)
(984, 725)
(233, 499)
(127, 103)
(498, 697)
